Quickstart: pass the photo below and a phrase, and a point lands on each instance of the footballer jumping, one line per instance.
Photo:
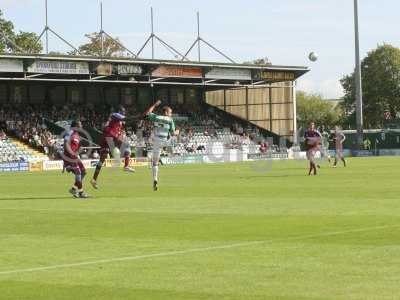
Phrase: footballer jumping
(113, 137)
(164, 128)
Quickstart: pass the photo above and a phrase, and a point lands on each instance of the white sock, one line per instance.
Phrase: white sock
(155, 173)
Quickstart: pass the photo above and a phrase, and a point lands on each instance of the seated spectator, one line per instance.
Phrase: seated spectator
(263, 147)
(2, 135)
(95, 154)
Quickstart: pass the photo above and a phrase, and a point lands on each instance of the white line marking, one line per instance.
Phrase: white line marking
(194, 250)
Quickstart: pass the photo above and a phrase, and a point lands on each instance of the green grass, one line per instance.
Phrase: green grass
(333, 236)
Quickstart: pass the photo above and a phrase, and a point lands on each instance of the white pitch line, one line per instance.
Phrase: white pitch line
(178, 252)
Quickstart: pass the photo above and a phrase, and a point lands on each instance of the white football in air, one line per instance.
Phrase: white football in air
(116, 154)
(313, 56)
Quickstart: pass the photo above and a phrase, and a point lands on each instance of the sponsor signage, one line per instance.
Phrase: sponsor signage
(36, 166)
(227, 73)
(170, 71)
(14, 167)
(59, 67)
(389, 152)
(345, 152)
(274, 75)
(11, 65)
(51, 165)
(182, 160)
(362, 153)
(133, 162)
(267, 156)
(138, 162)
(129, 69)
(89, 164)
(227, 155)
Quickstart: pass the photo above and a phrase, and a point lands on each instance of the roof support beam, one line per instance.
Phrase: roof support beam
(130, 82)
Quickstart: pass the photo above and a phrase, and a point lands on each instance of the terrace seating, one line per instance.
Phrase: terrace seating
(13, 151)
(200, 133)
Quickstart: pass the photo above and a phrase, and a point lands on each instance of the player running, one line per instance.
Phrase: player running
(338, 138)
(113, 136)
(312, 140)
(325, 145)
(164, 128)
(72, 162)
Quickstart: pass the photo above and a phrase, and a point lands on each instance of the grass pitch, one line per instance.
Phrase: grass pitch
(232, 231)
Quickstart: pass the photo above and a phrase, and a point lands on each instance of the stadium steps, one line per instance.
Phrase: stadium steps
(31, 151)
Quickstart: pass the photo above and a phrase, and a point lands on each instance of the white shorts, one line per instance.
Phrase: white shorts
(158, 145)
(125, 148)
(311, 155)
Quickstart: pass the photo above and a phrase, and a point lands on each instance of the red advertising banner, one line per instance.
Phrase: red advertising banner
(171, 71)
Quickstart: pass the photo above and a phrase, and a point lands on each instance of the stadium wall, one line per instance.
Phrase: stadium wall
(269, 107)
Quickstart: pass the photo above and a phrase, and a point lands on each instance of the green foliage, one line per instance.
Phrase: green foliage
(10, 41)
(26, 41)
(259, 61)
(315, 108)
(6, 33)
(56, 53)
(93, 47)
(381, 86)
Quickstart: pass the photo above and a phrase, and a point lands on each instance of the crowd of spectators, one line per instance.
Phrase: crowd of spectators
(28, 123)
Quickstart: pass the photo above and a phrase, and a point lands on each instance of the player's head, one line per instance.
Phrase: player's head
(311, 126)
(118, 116)
(76, 124)
(167, 111)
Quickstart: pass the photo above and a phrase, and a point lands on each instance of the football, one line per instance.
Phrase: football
(116, 153)
(313, 56)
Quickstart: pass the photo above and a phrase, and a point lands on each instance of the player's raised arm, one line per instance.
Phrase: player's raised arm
(152, 108)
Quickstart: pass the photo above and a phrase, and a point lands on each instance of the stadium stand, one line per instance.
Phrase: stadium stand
(14, 151)
(202, 131)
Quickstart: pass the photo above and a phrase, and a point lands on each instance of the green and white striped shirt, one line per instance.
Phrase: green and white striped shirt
(164, 126)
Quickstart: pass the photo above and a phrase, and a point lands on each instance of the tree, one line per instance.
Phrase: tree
(28, 42)
(259, 61)
(111, 47)
(314, 108)
(6, 33)
(20, 42)
(57, 53)
(381, 87)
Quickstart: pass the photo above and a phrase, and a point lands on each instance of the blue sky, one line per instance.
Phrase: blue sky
(285, 31)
